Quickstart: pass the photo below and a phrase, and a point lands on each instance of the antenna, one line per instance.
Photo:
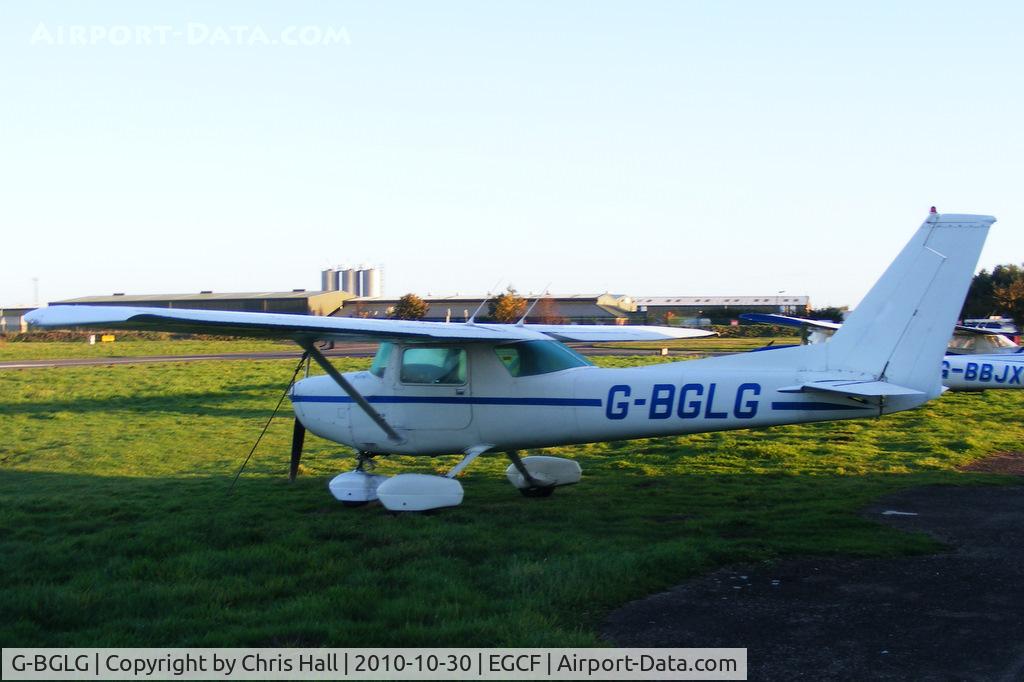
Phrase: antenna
(529, 310)
(472, 318)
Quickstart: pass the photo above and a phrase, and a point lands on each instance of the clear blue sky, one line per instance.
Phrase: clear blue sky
(637, 147)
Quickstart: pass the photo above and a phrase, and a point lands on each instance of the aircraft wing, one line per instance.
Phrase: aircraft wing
(785, 320)
(596, 333)
(316, 327)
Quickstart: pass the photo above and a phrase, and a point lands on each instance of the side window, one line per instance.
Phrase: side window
(432, 365)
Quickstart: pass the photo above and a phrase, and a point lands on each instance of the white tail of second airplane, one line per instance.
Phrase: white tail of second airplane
(899, 332)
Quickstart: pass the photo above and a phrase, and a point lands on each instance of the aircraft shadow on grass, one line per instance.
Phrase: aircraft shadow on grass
(199, 404)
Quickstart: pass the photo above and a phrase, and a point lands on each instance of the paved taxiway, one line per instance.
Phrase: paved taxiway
(954, 615)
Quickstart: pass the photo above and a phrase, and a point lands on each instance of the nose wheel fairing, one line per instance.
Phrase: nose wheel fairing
(357, 487)
(354, 488)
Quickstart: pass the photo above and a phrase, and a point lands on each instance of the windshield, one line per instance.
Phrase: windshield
(529, 358)
(380, 360)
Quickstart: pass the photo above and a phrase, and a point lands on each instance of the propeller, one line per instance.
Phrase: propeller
(298, 438)
(298, 431)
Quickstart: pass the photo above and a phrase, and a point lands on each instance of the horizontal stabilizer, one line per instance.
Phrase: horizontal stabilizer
(861, 389)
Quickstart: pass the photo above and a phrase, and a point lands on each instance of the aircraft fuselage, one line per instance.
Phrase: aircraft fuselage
(577, 405)
(979, 372)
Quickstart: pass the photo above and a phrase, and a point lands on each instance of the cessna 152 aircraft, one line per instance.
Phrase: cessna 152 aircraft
(975, 360)
(442, 388)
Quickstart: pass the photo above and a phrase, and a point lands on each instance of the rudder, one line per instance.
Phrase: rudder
(900, 331)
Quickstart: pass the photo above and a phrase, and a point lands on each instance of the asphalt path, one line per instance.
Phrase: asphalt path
(353, 350)
(954, 615)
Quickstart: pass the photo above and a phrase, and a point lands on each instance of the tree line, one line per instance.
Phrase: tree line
(1000, 292)
(508, 307)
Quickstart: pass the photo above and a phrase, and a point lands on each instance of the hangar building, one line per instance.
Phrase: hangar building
(581, 309)
(656, 309)
(596, 308)
(297, 301)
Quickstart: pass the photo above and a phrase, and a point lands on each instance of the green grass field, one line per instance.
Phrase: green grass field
(117, 526)
(55, 350)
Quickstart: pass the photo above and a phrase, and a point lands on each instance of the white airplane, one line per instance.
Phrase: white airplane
(442, 388)
(968, 340)
(975, 360)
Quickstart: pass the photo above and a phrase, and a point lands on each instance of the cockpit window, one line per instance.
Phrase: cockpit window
(976, 343)
(1000, 341)
(963, 342)
(434, 365)
(380, 360)
(529, 358)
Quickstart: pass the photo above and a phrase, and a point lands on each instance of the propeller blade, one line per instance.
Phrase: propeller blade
(298, 438)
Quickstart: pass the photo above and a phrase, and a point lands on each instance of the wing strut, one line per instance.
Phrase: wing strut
(350, 390)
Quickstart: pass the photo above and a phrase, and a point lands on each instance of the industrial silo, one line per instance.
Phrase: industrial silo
(349, 281)
(369, 282)
(329, 280)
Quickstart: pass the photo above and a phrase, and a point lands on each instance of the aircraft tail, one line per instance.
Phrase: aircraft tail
(899, 332)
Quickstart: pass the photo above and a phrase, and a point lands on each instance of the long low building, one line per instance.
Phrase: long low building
(664, 308)
(581, 308)
(594, 308)
(296, 302)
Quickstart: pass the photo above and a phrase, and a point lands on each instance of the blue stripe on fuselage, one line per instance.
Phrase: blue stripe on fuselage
(452, 400)
(552, 402)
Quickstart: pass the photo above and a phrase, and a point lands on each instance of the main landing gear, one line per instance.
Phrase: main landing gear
(536, 476)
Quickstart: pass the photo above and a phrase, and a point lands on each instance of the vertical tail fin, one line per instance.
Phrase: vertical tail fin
(900, 330)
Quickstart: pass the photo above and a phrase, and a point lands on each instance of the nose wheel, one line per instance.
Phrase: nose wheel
(357, 487)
